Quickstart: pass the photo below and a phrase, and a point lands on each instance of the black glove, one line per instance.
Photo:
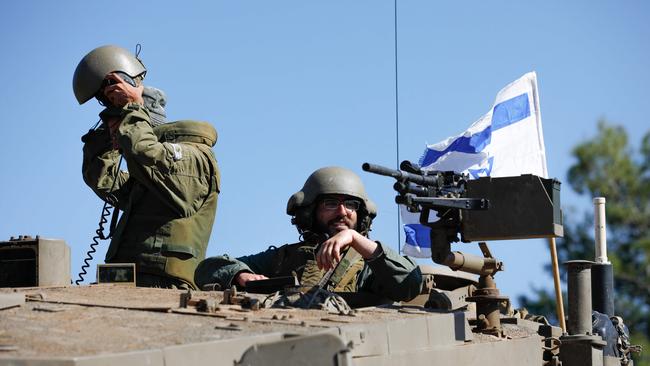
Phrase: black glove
(96, 135)
(97, 141)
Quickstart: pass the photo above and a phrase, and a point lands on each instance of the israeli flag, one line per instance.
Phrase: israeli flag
(506, 141)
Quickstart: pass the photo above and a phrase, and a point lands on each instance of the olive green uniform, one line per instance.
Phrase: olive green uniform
(388, 274)
(168, 196)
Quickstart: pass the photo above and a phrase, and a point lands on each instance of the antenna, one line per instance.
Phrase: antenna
(399, 222)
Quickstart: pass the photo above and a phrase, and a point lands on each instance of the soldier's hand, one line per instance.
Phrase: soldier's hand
(329, 254)
(122, 93)
(99, 136)
(243, 277)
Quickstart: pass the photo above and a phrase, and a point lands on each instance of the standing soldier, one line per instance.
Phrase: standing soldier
(169, 194)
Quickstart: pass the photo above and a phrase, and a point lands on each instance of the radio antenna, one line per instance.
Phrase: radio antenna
(399, 221)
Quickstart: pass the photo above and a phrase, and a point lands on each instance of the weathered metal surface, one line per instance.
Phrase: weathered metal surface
(109, 325)
(11, 300)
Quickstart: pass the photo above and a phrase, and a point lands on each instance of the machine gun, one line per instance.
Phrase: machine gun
(520, 207)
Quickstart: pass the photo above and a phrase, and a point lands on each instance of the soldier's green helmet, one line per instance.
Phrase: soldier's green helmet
(329, 180)
(93, 68)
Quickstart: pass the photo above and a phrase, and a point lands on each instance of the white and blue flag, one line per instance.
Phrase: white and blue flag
(506, 141)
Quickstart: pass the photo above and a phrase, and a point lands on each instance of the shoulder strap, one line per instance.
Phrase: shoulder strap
(340, 273)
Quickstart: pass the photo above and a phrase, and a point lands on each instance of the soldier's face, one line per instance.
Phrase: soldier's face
(332, 219)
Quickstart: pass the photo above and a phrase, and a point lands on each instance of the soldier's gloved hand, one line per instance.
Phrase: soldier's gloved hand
(96, 141)
(242, 277)
(97, 135)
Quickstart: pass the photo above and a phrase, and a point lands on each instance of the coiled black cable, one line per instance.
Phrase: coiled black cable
(106, 211)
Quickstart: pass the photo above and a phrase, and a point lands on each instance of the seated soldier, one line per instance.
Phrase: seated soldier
(333, 215)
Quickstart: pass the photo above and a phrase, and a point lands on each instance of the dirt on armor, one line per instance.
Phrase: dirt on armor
(102, 319)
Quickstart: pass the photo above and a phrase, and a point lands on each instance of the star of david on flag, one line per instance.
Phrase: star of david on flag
(506, 141)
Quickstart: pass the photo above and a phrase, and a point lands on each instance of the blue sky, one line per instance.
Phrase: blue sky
(292, 86)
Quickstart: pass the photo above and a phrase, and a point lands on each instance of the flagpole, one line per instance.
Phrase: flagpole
(399, 231)
(559, 305)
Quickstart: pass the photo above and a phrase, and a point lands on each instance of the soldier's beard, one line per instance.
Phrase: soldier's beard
(337, 224)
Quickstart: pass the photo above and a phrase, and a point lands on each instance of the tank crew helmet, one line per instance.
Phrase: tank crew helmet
(93, 68)
(325, 181)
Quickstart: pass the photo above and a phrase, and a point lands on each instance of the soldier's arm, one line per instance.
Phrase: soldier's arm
(224, 269)
(100, 168)
(173, 172)
(220, 269)
(329, 253)
(392, 275)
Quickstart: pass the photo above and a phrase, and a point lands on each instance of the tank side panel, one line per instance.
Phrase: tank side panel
(407, 334)
(224, 352)
(140, 358)
(36, 362)
(367, 339)
(215, 353)
(513, 352)
(322, 349)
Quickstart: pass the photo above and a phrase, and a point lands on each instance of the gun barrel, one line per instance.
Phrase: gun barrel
(417, 190)
(399, 174)
(381, 170)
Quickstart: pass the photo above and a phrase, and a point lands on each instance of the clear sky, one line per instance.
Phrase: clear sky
(292, 86)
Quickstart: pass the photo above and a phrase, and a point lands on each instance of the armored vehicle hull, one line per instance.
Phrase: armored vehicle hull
(113, 324)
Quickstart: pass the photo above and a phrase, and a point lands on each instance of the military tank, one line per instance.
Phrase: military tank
(459, 318)
(106, 324)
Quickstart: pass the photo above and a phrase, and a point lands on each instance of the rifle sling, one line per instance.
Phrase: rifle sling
(336, 276)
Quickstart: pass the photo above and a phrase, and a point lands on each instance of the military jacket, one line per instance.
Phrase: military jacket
(388, 275)
(168, 196)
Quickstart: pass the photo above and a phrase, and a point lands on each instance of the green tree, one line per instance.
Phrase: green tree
(607, 166)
